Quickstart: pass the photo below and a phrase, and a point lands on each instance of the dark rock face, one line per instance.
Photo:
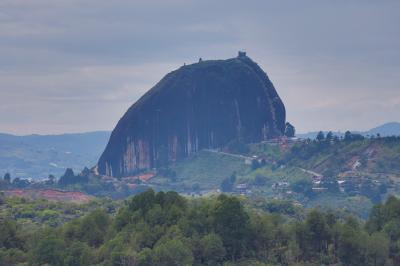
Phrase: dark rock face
(200, 106)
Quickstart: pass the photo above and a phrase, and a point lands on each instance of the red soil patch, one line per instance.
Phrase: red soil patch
(49, 194)
(144, 178)
(131, 186)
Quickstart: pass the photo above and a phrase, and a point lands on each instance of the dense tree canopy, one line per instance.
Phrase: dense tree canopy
(165, 228)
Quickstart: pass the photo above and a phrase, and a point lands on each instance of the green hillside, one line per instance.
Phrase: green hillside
(350, 174)
(203, 171)
(332, 158)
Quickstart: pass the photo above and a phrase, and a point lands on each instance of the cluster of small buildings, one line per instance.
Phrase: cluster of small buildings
(242, 189)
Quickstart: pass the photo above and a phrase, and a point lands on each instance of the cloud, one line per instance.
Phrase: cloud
(74, 65)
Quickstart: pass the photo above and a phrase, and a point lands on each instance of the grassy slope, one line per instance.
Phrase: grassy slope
(376, 157)
(379, 158)
(205, 168)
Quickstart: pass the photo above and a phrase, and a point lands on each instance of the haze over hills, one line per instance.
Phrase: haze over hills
(37, 156)
(388, 129)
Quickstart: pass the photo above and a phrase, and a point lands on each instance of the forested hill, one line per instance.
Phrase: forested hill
(168, 229)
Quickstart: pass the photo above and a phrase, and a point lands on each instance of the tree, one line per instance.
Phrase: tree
(7, 178)
(143, 202)
(51, 180)
(376, 219)
(329, 136)
(145, 257)
(320, 136)
(231, 223)
(8, 235)
(377, 249)
(93, 226)
(172, 253)
(336, 139)
(290, 131)
(90, 229)
(347, 136)
(255, 164)
(352, 246)
(313, 236)
(265, 235)
(122, 258)
(303, 185)
(77, 254)
(228, 183)
(212, 249)
(370, 190)
(48, 250)
(68, 178)
(20, 183)
(318, 232)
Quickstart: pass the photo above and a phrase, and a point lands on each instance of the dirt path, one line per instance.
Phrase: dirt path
(311, 172)
(231, 154)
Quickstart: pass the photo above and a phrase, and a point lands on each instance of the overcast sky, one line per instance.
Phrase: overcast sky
(77, 65)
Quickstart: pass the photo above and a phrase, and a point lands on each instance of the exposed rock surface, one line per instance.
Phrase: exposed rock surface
(200, 106)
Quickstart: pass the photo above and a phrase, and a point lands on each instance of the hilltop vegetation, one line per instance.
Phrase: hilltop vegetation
(333, 156)
(352, 173)
(33, 214)
(168, 229)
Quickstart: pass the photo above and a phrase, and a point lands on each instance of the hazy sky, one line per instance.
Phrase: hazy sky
(77, 65)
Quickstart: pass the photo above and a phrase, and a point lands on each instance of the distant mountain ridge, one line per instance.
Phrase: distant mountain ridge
(385, 130)
(37, 156)
(388, 129)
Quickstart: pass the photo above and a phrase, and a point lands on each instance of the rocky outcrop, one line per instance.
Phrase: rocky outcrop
(200, 106)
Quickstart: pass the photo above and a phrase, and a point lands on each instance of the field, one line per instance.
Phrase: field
(49, 194)
(203, 171)
(39, 212)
